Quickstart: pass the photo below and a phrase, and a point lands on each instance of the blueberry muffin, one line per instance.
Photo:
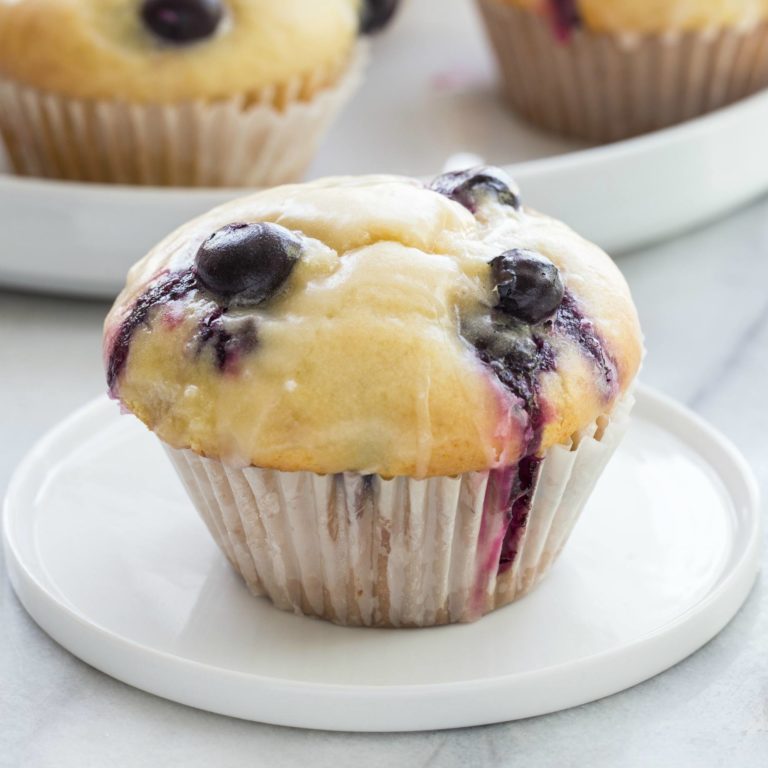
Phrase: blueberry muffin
(181, 92)
(604, 70)
(388, 401)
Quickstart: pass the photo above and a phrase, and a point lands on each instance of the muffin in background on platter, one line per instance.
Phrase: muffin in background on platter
(176, 92)
(389, 402)
(604, 70)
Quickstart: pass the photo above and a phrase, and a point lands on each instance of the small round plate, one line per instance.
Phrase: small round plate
(108, 556)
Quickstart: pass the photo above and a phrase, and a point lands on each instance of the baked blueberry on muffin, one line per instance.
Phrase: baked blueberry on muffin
(388, 401)
(608, 69)
(182, 92)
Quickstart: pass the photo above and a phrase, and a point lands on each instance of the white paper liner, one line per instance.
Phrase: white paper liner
(361, 550)
(255, 140)
(605, 87)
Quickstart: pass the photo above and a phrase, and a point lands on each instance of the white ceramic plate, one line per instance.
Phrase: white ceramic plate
(108, 556)
(430, 94)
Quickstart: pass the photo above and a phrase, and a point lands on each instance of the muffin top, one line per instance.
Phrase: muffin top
(373, 324)
(176, 50)
(649, 16)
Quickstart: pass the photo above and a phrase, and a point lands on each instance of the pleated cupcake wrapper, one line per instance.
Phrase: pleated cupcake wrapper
(256, 140)
(363, 550)
(605, 87)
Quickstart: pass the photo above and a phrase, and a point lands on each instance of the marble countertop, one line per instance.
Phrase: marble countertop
(704, 306)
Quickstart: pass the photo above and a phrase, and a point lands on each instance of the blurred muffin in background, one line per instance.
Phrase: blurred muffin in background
(176, 92)
(604, 70)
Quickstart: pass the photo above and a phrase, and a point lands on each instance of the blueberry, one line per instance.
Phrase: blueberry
(244, 264)
(376, 14)
(182, 21)
(529, 285)
(170, 286)
(228, 337)
(469, 187)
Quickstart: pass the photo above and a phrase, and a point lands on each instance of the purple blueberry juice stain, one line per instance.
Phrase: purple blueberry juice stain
(228, 338)
(519, 506)
(519, 372)
(565, 18)
(492, 531)
(571, 323)
(518, 354)
(170, 286)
